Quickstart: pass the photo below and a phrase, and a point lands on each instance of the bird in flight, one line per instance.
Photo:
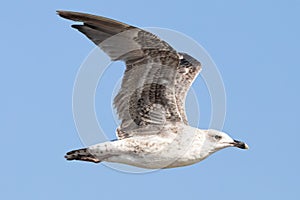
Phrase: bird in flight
(154, 131)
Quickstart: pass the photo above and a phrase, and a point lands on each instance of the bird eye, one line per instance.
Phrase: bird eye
(218, 137)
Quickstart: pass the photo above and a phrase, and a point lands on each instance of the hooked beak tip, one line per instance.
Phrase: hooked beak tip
(240, 144)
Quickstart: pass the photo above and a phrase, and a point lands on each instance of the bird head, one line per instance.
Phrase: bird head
(220, 140)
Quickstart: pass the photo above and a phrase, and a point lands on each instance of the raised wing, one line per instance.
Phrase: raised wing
(156, 78)
(187, 71)
(120, 41)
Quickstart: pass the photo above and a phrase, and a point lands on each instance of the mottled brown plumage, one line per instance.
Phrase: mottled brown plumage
(156, 79)
(154, 131)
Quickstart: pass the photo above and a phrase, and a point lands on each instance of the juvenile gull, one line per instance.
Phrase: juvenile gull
(154, 131)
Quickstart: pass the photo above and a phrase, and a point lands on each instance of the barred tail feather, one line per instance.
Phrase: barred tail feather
(82, 154)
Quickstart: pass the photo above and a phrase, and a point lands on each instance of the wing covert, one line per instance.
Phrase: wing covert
(156, 79)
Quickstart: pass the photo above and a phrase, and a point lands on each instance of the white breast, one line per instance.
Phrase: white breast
(161, 151)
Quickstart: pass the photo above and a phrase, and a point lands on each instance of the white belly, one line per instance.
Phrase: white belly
(158, 152)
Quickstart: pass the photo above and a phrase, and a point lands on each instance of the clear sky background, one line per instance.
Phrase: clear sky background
(256, 47)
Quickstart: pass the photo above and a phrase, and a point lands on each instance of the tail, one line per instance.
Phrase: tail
(82, 154)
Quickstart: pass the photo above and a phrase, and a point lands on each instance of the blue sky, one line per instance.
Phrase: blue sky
(256, 48)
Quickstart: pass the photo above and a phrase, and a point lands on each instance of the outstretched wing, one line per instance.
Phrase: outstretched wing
(156, 78)
(118, 40)
(187, 71)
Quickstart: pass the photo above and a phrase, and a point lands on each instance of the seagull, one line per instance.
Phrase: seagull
(154, 132)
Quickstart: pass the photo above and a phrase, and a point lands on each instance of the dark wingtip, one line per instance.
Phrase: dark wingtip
(68, 14)
(60, 12)
(76, 26)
